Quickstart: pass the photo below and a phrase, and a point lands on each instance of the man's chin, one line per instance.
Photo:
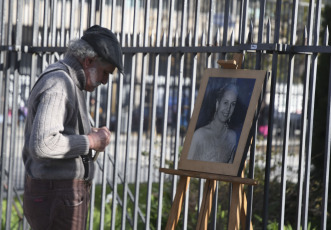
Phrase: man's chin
(90, 89)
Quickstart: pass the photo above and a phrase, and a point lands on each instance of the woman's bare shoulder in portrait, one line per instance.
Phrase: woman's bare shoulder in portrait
(232, 136)
(203, 132)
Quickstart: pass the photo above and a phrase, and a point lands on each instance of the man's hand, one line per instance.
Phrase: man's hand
(99, 138)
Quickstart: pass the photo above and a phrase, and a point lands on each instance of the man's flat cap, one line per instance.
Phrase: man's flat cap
(105, 44)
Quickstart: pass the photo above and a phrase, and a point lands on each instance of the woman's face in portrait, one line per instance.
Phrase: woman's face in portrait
(225, 106)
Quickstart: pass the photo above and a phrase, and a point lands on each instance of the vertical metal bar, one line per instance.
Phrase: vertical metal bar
(2, 5)
(92, 12)
(168, 77)
(4, 139)
(287, 119)
(180, 90)
(112, 22)
(309, 143)
(193, 85)
(310, 105)
(327, 159)
(102, 12)
(138, 161)
(4, 146)
(63, 15)
(141, 115)
(253, 146)
(303, 139)
(105, 158)
(45, 33)
(141, 124)
(18, 41)
(157, 63)
(269, 141)
(271, 119)
(92, 19)
(286, 140)
(133, 70)
(210, 29)
(241, 16)
(186, 202)
(127, 151)
(53, 22)
(163, 145)
(260, 33)
(146, 40)
(317, 22)
(96, 124)
(251, 175)
(35, 34)
(117, 146)
(53, 25)
(2, 42)
(12, 142)
(151, 144)
(72, 19)
(226, 22)
(244, 21)
(180, 86)
(92, 22)
(3, 126)
(225, 35)
(45, 21)
(201, 181)
(303, 133)
(82, 17)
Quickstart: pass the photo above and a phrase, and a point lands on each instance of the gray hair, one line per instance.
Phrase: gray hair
(80, 49)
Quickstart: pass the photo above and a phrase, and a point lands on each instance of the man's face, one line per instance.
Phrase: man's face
(96, 73)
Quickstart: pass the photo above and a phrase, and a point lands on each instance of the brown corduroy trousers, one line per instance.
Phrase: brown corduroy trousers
(56, 204)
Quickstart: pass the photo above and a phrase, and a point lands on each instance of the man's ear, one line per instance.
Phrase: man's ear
(87, 62)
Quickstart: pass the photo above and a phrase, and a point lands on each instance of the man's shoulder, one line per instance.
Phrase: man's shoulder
(56, 70)
(54, 80)
(56, 74)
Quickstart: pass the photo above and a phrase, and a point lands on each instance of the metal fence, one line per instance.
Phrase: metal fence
(166, 47)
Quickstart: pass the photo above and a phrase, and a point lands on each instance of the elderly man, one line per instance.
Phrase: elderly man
(59, 137)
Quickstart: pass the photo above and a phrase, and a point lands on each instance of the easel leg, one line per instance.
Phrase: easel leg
(177, 203)
(244, 212)
(238, 208)
(206, 204)
(235, 207)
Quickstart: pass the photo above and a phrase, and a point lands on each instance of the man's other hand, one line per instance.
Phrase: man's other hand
(99, 138)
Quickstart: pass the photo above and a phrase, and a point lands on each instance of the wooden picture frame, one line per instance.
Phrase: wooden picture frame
(221, 121)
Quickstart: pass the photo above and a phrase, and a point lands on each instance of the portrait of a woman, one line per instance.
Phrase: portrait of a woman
(219, 133)
(216, 141)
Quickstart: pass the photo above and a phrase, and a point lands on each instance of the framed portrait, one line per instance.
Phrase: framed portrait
(221, 121)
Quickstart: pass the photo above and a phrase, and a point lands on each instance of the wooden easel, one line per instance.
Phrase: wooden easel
(238, 205)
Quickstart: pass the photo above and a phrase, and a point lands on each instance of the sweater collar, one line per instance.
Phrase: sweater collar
(75, 70)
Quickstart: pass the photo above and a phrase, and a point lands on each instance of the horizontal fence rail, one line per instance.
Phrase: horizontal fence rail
(166, 46)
